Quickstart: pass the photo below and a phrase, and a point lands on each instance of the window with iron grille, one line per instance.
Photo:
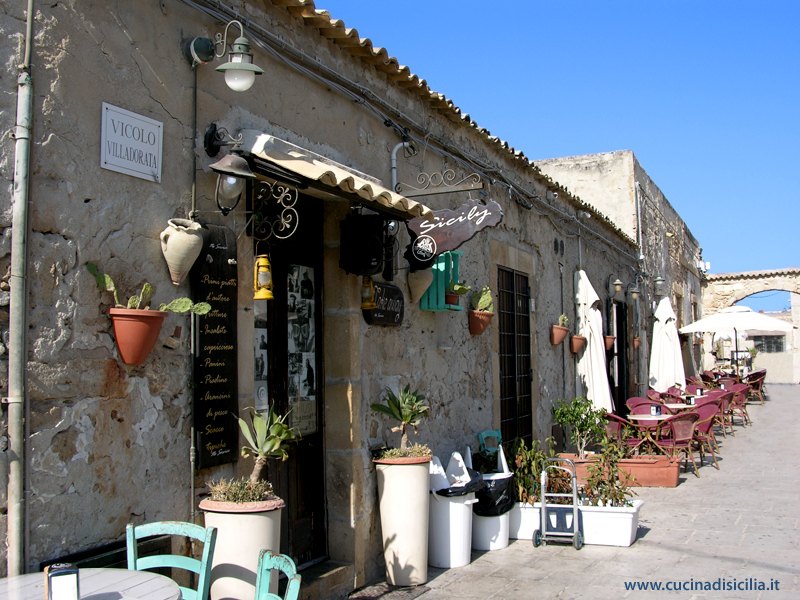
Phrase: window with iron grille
(513, 295)
(769, 344)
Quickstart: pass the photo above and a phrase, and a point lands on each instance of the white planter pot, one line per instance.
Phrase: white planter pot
(403, 495)
(523, 520)
(243, 530)
(490, 533)
(610, 526)
(181, 244)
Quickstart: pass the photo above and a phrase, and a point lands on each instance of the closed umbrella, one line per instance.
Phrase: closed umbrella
(738, 319)
(592, 377)
(666, 360)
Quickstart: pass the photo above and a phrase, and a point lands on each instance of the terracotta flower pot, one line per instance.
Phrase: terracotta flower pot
(576, 343)
(136, 332)
(479, 321)
(636, 342)
(451, 299)
(609, 341)
(558, 334)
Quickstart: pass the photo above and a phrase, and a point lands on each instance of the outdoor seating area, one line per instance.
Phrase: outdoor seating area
(680, 422)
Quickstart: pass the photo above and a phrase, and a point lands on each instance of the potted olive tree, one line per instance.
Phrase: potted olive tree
(136, 327)
(585, 428)
(246, 512)
(403, 483)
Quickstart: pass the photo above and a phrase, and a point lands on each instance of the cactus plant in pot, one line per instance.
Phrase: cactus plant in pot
(455, 290)
(482, 310)
(403, 482)
(246, 512)
(136, 327)
(560, 331)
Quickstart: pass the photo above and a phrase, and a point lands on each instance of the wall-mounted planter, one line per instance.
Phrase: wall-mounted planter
(576, 343)
(136, 332)
(636, 342)
(558, 334)
(451, 299)
(418, 283)
(444, 270)
(181, 243)
(609, 341)
(478, 321)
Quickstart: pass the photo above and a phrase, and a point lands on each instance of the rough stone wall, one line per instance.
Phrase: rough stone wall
(109, 443)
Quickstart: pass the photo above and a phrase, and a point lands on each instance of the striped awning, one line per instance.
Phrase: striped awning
(313, 167)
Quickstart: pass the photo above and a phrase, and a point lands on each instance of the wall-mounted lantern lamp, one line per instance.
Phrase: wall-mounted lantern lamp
(614, 285)
(633, 291)
(367, 294)
(262, 278)
(659, 283)
(232, 172)
(240, 72)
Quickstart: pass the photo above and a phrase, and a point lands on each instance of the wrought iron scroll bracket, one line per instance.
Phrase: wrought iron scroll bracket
(274, 212)
(442, 182)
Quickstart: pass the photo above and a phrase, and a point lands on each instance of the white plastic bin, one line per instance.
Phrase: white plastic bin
(490, 533)
(450, 518)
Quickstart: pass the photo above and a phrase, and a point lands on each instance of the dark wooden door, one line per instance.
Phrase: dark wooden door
(295, 378)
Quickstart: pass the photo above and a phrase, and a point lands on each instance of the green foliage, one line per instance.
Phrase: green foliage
(408, 409)
(239, 490)
(607, 485)
(753, 352)
(268, 437)
(526, 465)
(563, 320)
(584, 421)
(142, 301)
(414, 450)
(482, 300)
(458, 288)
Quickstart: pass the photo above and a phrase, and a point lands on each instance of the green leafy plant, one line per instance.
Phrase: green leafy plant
(482, 300)
(562, 321)
(409, 409)
(584, 421)
(142, 300)
(607, 485)
(526, 466)
(753, 353)
(458, 288)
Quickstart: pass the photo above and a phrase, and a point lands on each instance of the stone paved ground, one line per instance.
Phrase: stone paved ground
(739, 522)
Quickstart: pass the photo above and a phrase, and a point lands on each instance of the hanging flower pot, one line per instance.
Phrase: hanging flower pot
(181, 243)
(136, 332)
(610, 341)
(576, 343)
(451, 299)
(478, 321)
(636, 342)
(558, 334)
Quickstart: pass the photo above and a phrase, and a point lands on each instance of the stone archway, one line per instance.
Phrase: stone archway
(726, 289)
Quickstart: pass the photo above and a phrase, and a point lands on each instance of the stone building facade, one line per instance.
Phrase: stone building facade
(109, 443)
(617, 185)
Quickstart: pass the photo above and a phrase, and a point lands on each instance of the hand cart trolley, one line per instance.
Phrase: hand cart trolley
(562, 529)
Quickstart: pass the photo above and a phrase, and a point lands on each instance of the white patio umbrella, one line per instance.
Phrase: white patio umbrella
(737, 320)
(666, 359)
(592, 379)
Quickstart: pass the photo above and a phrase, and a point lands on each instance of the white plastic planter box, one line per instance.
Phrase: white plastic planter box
(523, 520)
(610, 526)
(490, 533)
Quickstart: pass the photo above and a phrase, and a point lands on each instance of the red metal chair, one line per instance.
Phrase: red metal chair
(681, 427)
(704, 428)
(756, 382)
(617, 428)
(636, 401)
(694, 388)
(725, 398)
(738, 404)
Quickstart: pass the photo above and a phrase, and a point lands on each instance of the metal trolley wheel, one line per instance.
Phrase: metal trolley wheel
(577, 540)
(537, 539)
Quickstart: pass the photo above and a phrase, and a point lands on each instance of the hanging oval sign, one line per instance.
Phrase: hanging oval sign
(390, 306)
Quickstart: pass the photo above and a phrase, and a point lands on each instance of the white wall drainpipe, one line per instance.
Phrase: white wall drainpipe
(18, 317)
(394, 163)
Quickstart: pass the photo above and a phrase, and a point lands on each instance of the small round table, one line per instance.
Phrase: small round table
(97, 584)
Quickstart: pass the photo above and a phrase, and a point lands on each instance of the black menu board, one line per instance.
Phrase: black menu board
(214, 280)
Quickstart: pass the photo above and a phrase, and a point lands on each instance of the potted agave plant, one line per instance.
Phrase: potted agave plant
(482, 311)
(455, 290)
(246, 512)
(560, 331)
(403, 482)
(136, 327)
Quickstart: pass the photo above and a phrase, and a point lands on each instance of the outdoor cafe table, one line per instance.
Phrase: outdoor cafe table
(97, 584)
(645, 431)
(675, 407)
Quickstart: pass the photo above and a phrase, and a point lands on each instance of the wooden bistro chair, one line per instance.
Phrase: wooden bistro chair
(267, 561)
(738, 404)
(725, 398)
(682, 428)
(619, 429)
(202, 567)
(756, 382)
(704, 429)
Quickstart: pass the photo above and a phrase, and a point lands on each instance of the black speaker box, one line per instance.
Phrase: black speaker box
(362, 243)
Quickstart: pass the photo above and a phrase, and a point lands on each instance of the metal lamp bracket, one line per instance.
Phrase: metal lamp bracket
(217, 137)
(274, 212)
(442, 182)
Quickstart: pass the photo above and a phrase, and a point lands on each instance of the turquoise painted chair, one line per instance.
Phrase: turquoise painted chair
(489, 434)
(202, 567)
(268, 561)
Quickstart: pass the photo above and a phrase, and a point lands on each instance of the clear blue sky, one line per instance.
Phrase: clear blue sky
(706, 94)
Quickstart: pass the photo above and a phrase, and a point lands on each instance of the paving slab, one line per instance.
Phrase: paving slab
(739, 522)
